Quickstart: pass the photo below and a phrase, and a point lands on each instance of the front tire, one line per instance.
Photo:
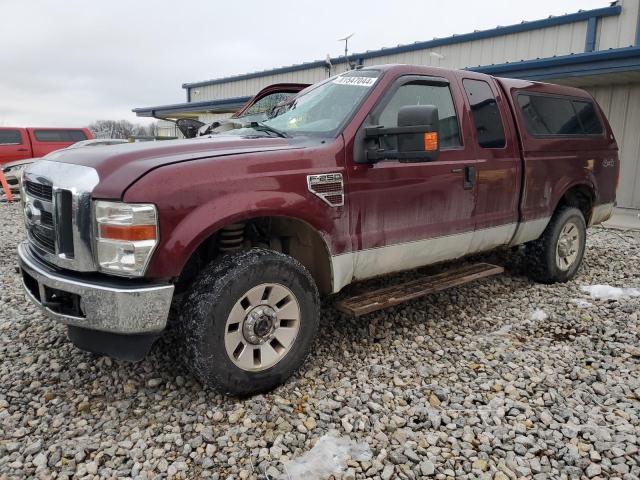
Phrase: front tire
(557, 255)
(249, 321)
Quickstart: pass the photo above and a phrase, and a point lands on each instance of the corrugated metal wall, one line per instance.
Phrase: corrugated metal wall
(545, 42)
(241, 88)
(619, 31)
(621, 104)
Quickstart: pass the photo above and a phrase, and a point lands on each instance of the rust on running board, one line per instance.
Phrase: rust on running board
(411, 290)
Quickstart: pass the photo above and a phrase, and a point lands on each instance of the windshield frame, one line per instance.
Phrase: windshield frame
(347, 119)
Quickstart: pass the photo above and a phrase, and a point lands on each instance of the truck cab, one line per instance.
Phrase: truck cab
(373, 171)
(23, 143)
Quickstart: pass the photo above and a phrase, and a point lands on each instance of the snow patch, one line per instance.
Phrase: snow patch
(502, 331)
(582, 303)
(538, 315)
(607, 292)
(328, 457)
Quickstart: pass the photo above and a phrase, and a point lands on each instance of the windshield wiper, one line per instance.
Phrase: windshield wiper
(263, 127)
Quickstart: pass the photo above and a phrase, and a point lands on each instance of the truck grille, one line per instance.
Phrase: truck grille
(58, 216)
(46, 218)
(38, 190)
(43, 238)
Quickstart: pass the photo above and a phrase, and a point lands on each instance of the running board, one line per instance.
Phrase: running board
(404, 292)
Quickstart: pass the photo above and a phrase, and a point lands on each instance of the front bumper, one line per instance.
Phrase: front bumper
(106, 305)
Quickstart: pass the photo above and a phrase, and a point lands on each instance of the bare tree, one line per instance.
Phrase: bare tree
(120, 129)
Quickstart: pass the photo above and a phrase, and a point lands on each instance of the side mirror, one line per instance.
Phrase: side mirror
(416, 136)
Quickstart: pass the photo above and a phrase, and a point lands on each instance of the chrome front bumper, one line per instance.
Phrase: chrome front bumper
(97, 304)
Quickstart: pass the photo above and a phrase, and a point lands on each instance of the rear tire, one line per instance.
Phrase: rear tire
(557, 255)
(249, 321)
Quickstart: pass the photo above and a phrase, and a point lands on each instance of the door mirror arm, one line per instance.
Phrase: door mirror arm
(416, 136)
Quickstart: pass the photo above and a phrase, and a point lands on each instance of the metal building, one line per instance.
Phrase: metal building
(598, 50)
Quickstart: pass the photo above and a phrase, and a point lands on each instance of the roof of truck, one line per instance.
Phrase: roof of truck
(516, 84)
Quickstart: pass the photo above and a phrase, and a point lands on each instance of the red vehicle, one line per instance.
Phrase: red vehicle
(20, 143)
(374, 171)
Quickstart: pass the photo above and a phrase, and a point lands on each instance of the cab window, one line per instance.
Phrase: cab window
(425, 94)
(59, 135)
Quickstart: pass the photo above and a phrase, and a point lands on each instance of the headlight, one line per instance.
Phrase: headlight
(126, 235)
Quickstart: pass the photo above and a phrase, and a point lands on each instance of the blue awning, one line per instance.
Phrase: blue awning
(192, 109)
(603, 62)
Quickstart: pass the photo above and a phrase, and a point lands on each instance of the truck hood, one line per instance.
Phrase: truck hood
(119, 166)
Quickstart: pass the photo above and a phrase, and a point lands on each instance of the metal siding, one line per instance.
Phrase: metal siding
(253, 85)
(544, 42)
(619, 31)
(621, 104)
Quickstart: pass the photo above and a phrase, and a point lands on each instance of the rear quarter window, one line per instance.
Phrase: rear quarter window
(60, 135)
(558, 116)
(10, 137)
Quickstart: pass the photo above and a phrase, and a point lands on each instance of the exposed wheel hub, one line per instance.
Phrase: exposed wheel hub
(259, 325)
(568, 246)
(262, 327)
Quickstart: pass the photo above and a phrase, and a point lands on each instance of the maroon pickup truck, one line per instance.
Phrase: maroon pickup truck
(374, 171)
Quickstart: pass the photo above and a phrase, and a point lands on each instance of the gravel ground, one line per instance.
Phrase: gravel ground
(500, 379)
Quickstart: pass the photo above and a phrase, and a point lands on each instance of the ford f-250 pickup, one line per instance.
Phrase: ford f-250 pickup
(374, 171)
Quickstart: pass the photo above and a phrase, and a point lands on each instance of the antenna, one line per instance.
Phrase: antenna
(346, 48)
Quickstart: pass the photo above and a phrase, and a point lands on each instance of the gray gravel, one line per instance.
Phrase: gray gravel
(468, 383)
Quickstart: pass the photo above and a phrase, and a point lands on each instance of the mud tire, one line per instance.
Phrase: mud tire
(541, 253)
(208, 304)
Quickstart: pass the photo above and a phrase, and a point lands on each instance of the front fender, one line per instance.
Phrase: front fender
(194, 202)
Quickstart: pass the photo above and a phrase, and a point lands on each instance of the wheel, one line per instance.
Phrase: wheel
(557, 255)
(249, 321)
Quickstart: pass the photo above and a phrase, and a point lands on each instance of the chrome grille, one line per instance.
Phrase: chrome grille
(58, 215)
(39, 190)
(47, 219)
(43, 238)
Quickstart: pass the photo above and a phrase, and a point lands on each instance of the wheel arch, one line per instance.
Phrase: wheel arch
(295, 237)
(579, 195)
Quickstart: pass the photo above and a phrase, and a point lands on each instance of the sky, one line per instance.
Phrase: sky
(71, 62)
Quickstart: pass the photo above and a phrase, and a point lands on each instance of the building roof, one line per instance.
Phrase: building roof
(587, 64)
(524, 26)
(226, 105)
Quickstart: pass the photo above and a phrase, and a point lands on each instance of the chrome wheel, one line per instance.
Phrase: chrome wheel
(568, 246)
(262, 327)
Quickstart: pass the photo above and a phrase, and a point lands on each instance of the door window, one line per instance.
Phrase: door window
(424, 94)
(10, 137)
(486, 115)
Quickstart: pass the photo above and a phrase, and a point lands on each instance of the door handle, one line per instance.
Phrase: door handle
(456, 170)
(469, 177)
(23, 150)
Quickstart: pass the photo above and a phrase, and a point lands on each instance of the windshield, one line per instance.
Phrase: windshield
(323, 110)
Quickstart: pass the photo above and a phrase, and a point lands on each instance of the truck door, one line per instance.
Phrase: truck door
(14, 145)
(405, 215)
(498, 166)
